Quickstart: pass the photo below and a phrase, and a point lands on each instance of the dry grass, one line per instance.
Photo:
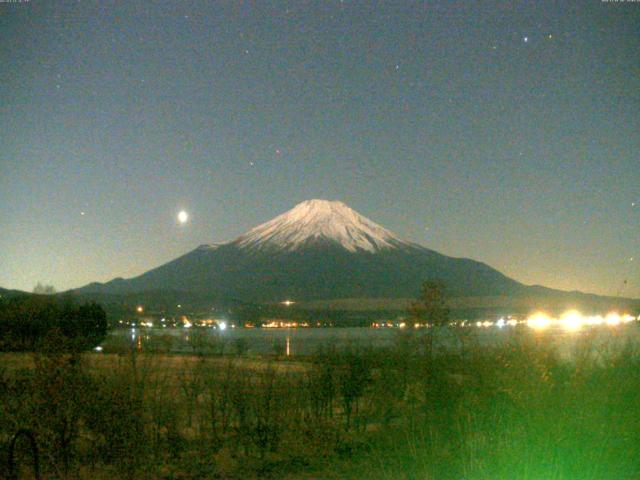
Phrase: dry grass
(518, 411)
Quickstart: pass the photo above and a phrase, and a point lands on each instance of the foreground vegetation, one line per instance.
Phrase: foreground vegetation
(27, 321)
(510, 412)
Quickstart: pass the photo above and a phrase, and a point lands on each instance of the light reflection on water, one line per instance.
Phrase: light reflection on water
(305, 341)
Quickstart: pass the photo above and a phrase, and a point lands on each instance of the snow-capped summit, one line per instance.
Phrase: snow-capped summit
(320, 220)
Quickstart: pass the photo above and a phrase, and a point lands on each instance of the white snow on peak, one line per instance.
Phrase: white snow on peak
(320, 220)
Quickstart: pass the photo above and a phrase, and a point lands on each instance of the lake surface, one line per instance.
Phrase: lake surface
(305, 341)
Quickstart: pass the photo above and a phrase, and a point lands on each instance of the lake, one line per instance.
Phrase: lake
(305, 341)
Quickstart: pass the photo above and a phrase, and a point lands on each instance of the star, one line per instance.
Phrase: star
(525, 39)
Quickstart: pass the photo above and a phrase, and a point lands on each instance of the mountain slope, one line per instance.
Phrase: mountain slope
(6, 293)
(318, 250)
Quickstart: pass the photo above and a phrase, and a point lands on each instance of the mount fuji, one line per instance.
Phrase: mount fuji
(319, 250)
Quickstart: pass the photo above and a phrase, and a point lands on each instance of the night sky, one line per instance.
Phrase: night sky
(507, 132)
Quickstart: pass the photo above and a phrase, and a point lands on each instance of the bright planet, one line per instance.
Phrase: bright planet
(183, 217)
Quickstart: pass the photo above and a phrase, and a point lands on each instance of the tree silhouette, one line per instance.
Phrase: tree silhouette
(26, 322)
(44, 289)
(431, 305)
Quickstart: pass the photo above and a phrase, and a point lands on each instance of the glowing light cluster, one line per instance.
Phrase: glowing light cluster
(573, 320)
(539, 321)
(284, 324)
(383, 325)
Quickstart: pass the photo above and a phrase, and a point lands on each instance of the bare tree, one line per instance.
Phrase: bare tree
(430, 309)
(431, 305)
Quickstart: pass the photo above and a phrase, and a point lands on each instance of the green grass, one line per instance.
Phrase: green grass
(519, 411)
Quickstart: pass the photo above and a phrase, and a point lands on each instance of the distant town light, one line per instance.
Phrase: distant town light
(222, 325)
(613, 319)
(139, 309)
(288, 302)
(594, 320)
(628, 318)
(572, 320)
(539, 321)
